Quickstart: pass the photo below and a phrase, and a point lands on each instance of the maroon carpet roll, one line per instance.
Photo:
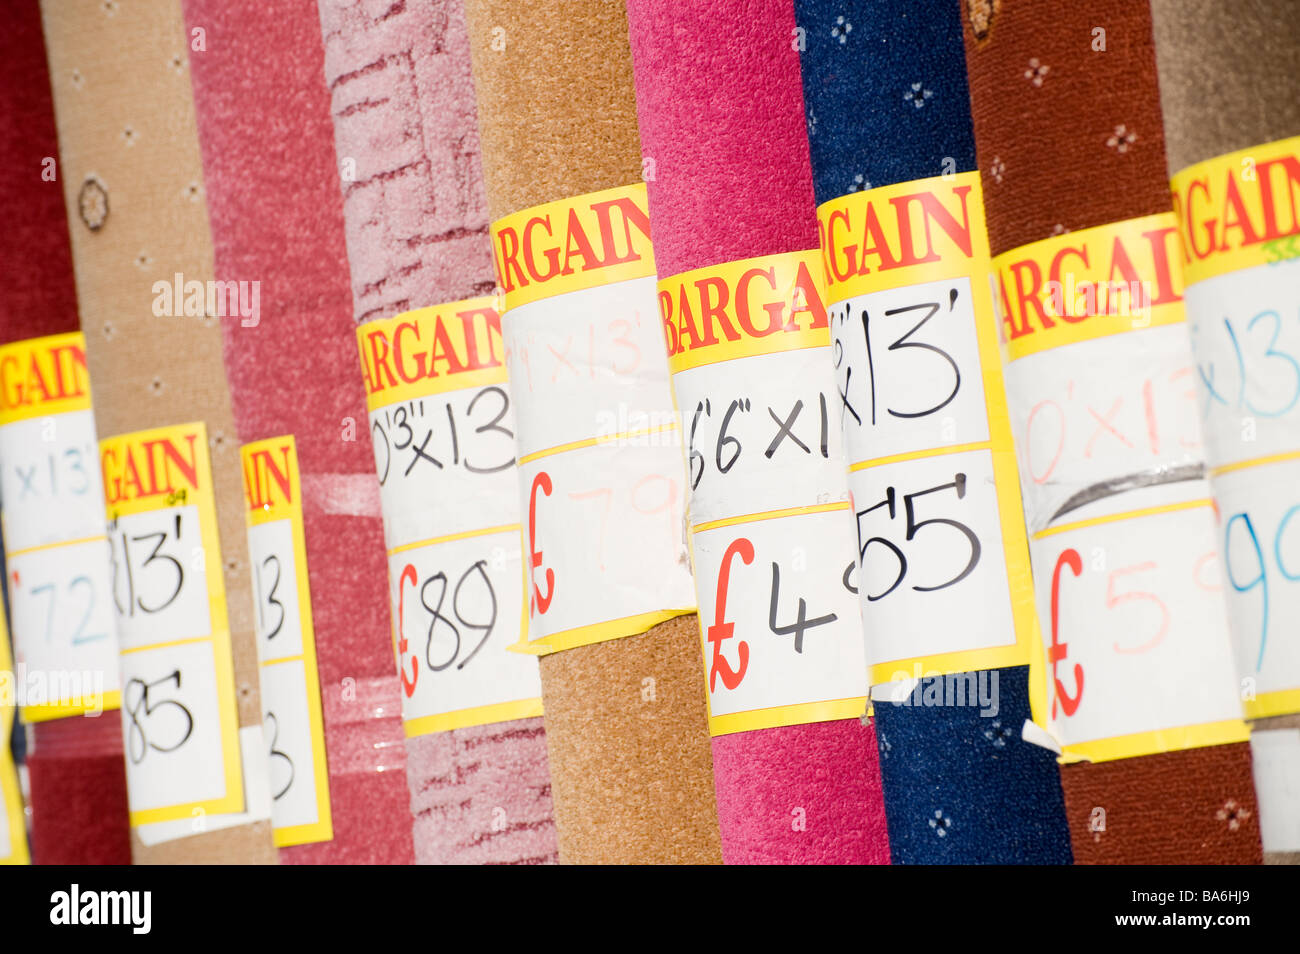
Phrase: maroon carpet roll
(268, 159)
(78, 784)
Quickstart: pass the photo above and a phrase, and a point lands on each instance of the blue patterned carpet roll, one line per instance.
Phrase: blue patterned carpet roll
(887, 102)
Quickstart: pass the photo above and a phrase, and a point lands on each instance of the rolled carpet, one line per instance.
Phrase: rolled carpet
(133, 184)
(1068, 134)
(721, 118)
(416, 225)
(1220, 92)
(907, 73)
(78, 787)
(625, 718)
(280, 223)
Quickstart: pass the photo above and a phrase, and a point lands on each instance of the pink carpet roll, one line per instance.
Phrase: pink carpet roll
(416, 223)
(720, 106)
(264, 128)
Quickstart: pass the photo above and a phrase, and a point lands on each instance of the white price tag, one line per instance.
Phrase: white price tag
(933, 568)
(445, 455)
(292, 720)
(921, 401)
(780, 620)
(179, 711)
(53, 522)
(749, 351)
(1084, 436)
(1135, 612)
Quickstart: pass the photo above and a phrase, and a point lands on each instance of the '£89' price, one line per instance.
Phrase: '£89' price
(456, 619)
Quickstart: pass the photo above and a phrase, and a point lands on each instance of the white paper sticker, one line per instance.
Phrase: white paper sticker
(601, 469)
(60, 595)
(445, 456)
(257, 799)
(159, 572)
(941, 550)
(908, 365)
(1276, 762)
(179, 708)
(779, 613)
(1132, 609)
(171, 717)
(760, 435)
(1259, 537)
(1246, 336)
(770, 512)
(578, 360)
(605, 536)
(1096, 419)
(934, 572)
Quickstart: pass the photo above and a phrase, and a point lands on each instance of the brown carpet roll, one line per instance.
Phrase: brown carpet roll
(1068, 135)
(626, 728)
(133, 183)
(1221, 90)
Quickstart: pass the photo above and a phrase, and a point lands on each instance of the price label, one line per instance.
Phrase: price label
(920, 400)
(292, 725)
(770, 513)
(780, 622)
(13, 823)
(598, 437)
(1259, 534)
(1134, 611)
(444, 432)
(1241, 246)
(179, 711)
(53, 517)
(1101, 386)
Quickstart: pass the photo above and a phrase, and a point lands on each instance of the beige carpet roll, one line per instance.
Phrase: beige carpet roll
(626, 726)
(133, 182)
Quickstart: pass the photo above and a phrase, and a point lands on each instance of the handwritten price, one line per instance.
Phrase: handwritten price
(723, 630)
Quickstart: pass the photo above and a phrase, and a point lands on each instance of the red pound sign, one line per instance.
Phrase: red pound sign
(542, 603)
(721, 629)
(1058, 650)
(408, 685)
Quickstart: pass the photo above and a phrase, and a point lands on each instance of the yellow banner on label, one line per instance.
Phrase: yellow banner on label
(902, 234)
(571, 244)
(1239, 210)
(756, 306)
(273, 493)
(1089, 284)
(157, 470)
(42, 376)
(431, 350)
(13, 836)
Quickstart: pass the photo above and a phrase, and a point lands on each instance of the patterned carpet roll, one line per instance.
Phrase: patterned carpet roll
(907, 75)
(1068, 134)
(415, 218)
(133, 184)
